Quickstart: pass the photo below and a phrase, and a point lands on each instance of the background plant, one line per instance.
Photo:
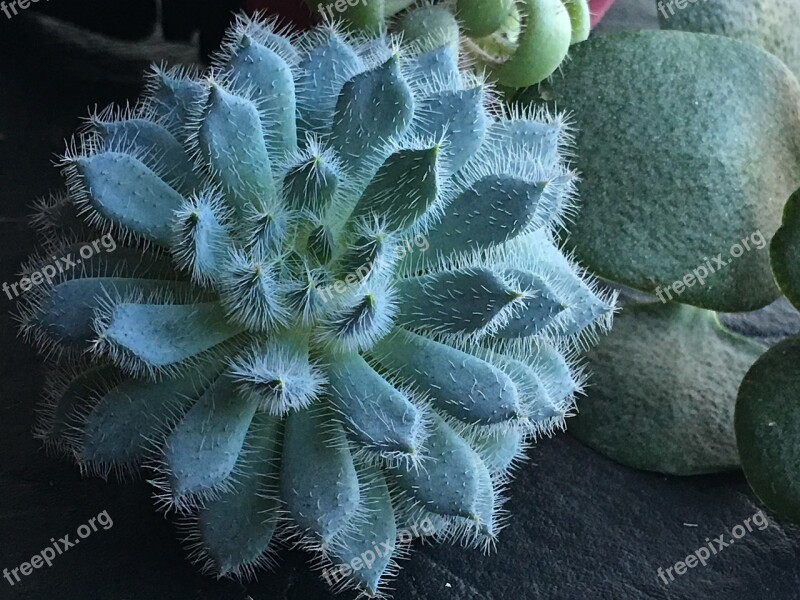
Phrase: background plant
(516, 43)
(675, 173)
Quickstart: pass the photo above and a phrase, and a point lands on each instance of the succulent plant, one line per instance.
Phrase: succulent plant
(338, 307)
(517, 43)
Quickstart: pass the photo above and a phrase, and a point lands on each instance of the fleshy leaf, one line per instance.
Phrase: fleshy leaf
(491, 211)
(403, 189)
(231, 142)
(126, 421)
(66, 315)
(318, 479)
(771, 24)
(470, 301)
(258, 70)
(368, 545)
(784, 251)
(767, 428)
(155, 146)
(451, 484)
(237, 529)
(323, 73)
(380, 417)
(688, 184)
(161, 336)
(373, 109)
(125, 192)
(663, 391)
(457, 383)
(201, 452)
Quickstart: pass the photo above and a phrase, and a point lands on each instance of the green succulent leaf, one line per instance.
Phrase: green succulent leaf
(481, 18)
(771, 24)
(663, 391)
(368, 544)
(767, 423)
(161, 336)
(318, 479)
(256, 69)
(231, 143)
(373, 109)
(154, 145)
(238, 527)
(669, 178)
(785, 251)
(68, 313)
(120, 188)
(403, 189)
(430, 26)
(121, 428)
(382, 418)
(462, 385)
(201, 452)
(451, 484)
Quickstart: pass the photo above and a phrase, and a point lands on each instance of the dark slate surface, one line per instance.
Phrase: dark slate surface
(582, 526)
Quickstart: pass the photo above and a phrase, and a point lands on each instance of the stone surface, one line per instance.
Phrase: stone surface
(581, 526)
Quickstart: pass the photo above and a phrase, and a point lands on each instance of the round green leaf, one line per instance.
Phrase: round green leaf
(688, 145)
(771, 24)
(767, 423)
(785, 251)
(663, 390)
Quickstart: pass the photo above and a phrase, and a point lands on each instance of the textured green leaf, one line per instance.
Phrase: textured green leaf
(767, 425)
(663, 390)
(67, 313)
(785, 251)
(256, 69)
(452, 482)
(232, 145)
(403, 189)
(204, 447)
(460, 384)
(491, 211)
(318, 479)
(126, 192)
(481, 18)
(322, 74)
(367, 544)
(688, 144)
(380, 417)
(237, 528)
(374, 108)
(771, 24)
(172, 99)
(429, 26)
(155, 146)
(124, 424)
(459, 117)
(466, 301)
(163, 335)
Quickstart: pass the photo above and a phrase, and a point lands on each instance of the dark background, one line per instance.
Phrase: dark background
(581, 527)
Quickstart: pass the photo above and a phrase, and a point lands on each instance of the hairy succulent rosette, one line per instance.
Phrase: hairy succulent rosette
(336, 311)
